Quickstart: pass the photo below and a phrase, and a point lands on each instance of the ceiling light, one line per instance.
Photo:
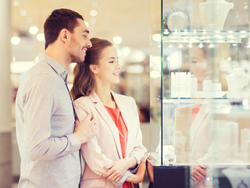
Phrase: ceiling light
(40, 37)
(92, 20)
(156, 37)
(16, 3)
(93, 13)
(94, 3)
(23, 12)
(15, 40)
(155, 74)
(117, 40)
(155, 60)
(33, 30)
(125, 51)
(29, 20)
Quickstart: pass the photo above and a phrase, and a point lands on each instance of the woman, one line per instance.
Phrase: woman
(117, 148)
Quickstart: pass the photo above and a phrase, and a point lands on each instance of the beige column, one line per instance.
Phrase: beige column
(5, 96)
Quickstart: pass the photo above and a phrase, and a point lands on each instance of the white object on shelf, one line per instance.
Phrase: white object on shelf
(216, 86)
(193, 83)
(180, 84)
(178, 20)
(236, 82)
(245, 138)
(207, 85)
(214, 13)
(224, 140)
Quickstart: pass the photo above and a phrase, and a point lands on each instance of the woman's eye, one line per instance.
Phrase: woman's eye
(111, 61)
(84, 36)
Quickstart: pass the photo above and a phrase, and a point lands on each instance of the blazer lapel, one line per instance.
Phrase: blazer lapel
(124, 109)
(106, 117)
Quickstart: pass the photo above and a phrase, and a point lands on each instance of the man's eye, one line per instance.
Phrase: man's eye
(84, 36)
(111, 61)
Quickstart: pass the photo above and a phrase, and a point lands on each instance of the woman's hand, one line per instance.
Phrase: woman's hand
(198, 172)
(117, 169)
(139, 176)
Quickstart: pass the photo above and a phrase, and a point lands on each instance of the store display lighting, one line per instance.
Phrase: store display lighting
(40, 37)
(230, 37)
(15, 40)
(135, 69)
(156, 37)
(117, 40)
(33, 30)
(170, 46)
(125, 51)
(211, 45)
(16, 3)
(155, 74)
(93, 13)
(29, 20)
(92, 20)
(23, 12)
(94, 3)
(190, 45)
(156, 60)
(180, 46)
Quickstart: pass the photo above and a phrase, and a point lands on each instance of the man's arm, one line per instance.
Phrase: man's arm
(39, 105)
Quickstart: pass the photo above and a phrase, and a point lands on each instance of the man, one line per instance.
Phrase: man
(48, 137)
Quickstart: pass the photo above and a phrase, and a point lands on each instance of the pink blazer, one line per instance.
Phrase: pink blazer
(105, 147)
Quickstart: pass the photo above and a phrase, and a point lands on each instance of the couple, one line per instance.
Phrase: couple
(51, 128)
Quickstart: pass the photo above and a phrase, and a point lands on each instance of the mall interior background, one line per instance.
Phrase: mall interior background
(132, 25)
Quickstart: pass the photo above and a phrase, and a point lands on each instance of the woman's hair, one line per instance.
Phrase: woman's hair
(84, 81)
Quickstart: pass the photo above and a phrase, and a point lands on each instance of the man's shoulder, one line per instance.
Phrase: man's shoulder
(41, 68)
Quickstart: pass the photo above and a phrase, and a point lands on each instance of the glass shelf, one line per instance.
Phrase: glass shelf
(203, 36)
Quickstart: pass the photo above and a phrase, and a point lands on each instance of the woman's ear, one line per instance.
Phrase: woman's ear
(93, 68)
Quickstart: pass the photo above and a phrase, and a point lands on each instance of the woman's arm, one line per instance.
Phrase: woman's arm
(92, 152)
(139, 176)
(138, 150)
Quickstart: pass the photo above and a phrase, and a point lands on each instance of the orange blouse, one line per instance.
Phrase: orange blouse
(123, 133)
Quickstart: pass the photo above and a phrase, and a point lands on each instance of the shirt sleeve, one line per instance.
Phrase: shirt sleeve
(92, 148)
(39, 102)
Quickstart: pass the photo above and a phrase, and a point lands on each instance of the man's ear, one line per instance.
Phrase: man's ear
(93, 68)
(64, 35)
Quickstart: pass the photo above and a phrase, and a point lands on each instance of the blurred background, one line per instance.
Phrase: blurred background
(132, 25)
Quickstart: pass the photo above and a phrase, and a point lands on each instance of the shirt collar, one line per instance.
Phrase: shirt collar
(55, 65)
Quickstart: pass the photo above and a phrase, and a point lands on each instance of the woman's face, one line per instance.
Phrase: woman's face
(108, 67)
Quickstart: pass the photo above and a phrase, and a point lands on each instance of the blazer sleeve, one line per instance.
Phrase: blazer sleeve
(139, 150)
(92, 152)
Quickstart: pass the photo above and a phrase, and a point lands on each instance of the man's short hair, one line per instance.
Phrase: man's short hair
(58, 20)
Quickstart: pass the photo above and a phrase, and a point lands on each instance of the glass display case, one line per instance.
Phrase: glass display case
(205, 91)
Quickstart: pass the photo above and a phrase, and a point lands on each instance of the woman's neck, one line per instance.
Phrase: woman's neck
(104, 94)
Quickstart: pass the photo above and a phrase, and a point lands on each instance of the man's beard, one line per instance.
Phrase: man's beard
(75, 59)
